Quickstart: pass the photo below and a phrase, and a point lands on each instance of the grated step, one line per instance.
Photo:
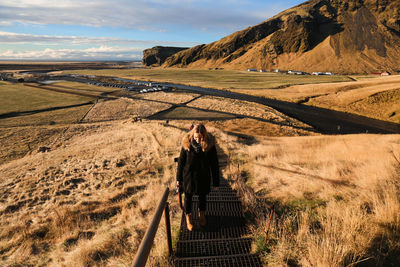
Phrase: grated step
(220, 247)
(218, 227)
(220, 208)
(219, 198)
(222, 190)
(248, 260)
(224, 241)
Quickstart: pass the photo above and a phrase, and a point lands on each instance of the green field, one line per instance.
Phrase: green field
(81, 87)
(20, 98)
(60, 116)
(219, 79)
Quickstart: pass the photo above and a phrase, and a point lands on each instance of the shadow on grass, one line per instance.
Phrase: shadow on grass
(330, 181)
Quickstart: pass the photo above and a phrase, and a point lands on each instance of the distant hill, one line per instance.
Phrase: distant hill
(156, 56)
(342, 36)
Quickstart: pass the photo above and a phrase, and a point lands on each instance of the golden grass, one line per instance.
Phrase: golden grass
(123, 108)
(169, 97)
(242, 108)
(89, 201)
(337, 197)
(18, 141)
(191, 113)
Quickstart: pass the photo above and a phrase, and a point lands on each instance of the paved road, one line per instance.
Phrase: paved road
(323, 120)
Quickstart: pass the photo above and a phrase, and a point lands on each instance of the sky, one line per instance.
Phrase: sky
(121, 29)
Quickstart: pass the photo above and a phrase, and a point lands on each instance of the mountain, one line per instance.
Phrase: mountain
(156, 56)
(342, 36)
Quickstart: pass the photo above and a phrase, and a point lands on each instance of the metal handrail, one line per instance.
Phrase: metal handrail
(144, 249)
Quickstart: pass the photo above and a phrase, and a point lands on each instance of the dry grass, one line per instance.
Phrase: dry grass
(123, 108)
(89, 201)
(184, 113)
(337, 197)
(244, 108)
(169, 97)
(16, 142)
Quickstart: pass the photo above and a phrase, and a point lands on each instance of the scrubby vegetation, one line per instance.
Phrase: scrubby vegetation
(336, 199)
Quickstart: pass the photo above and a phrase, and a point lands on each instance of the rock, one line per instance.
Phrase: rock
(43, 149)
(157, 55)
(120, 163)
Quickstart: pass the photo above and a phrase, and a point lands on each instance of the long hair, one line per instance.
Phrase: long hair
(201, 129)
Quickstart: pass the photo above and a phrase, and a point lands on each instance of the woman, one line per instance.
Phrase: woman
(197, 165)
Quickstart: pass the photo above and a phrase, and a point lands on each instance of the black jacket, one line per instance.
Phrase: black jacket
(195, 170)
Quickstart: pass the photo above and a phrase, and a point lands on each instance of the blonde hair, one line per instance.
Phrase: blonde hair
(200, 129)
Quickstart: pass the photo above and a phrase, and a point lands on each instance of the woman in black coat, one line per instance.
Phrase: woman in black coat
(197, 166)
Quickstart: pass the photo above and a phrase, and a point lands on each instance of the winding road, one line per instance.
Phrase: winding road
(323, 120)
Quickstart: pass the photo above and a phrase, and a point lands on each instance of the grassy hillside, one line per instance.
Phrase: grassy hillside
(89, 200)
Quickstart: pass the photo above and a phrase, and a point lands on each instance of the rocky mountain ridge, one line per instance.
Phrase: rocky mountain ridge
(342, 36)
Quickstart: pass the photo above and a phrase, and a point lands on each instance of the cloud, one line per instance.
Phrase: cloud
(153, 15)
(75, 47)
(93, 53)
(20, 38)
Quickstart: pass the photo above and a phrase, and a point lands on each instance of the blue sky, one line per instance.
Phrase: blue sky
(120, 29)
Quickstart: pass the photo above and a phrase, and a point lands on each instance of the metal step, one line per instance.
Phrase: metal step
(212, 247)
(248, 260)
(219, 198)
(218, 227)
(224, 240)
(220, 208)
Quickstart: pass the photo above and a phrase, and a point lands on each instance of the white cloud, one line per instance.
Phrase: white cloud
(20, 38)
(93, 53)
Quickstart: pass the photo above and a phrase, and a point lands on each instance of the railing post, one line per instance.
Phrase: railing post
(168, 228)
(147, 242)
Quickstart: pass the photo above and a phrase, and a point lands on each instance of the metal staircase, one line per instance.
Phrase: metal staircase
(223, 241)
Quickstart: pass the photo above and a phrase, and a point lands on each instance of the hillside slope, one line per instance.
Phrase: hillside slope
(350, 36)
